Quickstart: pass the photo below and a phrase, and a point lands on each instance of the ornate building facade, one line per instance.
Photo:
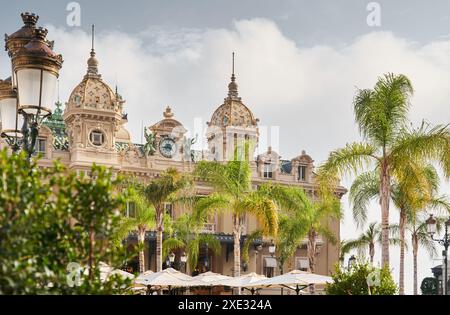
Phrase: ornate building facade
(92, 128)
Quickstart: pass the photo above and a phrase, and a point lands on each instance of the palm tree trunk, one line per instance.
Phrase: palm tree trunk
(385, 196)
(141, 241)
(311, 248)
(371, 252)
(159, 236)
(237, 247)
(401, 281)
(415, 248)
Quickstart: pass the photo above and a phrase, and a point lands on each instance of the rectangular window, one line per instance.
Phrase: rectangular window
(131, 209)
(40, 147)
(302, 173)
(268, 170)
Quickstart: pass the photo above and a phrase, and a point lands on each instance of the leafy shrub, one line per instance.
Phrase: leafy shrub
(50, 217)
(429, 286)
(362, 279)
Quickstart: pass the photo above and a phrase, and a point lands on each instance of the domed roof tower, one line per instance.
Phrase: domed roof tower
(93, 115)
(231, 124)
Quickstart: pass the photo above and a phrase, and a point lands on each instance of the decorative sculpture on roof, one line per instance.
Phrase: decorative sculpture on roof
(150, 143)
(187, 150)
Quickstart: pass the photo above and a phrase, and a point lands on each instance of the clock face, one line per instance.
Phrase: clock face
(167, 147)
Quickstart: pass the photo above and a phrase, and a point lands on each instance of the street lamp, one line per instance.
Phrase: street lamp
(171, 258)
(35, 71)
(351, 261)
(8, 114)
(272, 248)
(431, 230)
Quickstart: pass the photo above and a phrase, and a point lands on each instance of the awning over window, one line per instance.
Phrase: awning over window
(270, 262)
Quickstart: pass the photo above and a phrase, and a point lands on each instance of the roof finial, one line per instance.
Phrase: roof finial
(232, 87)
(232, 73)
(168, 112)
(92, 38)
(92, 61)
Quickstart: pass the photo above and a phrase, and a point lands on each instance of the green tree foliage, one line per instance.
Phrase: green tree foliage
(186, 235)
(140, 220)
(163, 189)
(233, 193)
(361, 279)
(49, 217)
(429, 286)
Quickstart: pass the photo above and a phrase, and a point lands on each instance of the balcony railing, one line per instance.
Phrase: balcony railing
(208, 228)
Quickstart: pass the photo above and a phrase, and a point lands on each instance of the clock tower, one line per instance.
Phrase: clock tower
(168, 134)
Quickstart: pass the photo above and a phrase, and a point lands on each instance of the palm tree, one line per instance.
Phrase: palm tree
(368, 239)
(381, 115)
(417, 226)
(415, 188)
(316, 215)
(233, 193)
(292, 232)
(140, 218)
(186, 235)
(159, 191)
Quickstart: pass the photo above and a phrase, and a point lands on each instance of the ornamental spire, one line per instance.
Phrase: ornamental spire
(92, 61)
(232, 86)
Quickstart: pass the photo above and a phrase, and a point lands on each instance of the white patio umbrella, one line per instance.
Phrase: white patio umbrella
(147, 272)
(244, 281)
(296, 278)
(211, 277)
(106, 271)
(168, 278)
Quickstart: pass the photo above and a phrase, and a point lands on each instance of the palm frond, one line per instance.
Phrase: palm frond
(425, 143)
(249, 239)
(171, 244)
(381, 112)
(214, 202)
(342, 162)
(328, 234)
(363, 190)
(263, 208)
(211, 242)
(164, 187)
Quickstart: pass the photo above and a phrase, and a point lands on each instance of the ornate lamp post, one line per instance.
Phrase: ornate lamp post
(351, 261)
(272, 248)
(28, 99)
(431, 229)
(171, 259)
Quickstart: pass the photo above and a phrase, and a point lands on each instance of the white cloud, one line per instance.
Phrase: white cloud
(307, 91)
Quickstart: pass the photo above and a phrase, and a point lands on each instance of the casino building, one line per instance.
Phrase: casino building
(92, 128)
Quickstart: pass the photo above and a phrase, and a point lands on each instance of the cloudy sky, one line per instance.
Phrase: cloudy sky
(298, 64)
